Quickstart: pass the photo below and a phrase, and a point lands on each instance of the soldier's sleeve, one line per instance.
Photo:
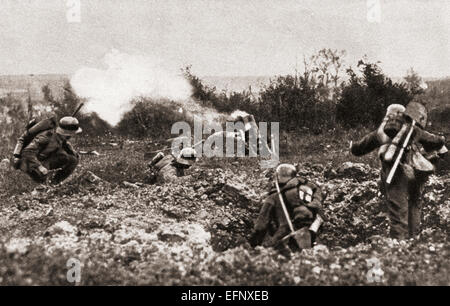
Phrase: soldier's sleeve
(36, 145)
(366, 145)
(69, 149)
(429, 141)
(31, 151)
(262, 222)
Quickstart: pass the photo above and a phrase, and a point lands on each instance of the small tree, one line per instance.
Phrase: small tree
(414, 82)
(365, 98)
(203, 93)
(91, 123)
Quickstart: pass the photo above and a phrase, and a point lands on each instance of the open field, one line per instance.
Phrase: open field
(197, 233)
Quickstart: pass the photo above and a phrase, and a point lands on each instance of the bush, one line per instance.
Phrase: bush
(91, 123)
(440, 117)
(297, 102)
(150, 118)
(13, 119)
(364, 99)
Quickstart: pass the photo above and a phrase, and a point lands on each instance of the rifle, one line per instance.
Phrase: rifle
(77, 109)
(302, 237)
(400, 154)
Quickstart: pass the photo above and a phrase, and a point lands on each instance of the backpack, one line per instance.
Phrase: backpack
(32, 129)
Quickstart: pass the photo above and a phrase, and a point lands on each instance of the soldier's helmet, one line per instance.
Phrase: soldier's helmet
(68, 126)
(244, 117)
(187, 157)
(395, 119)
(417, 112)
(285, 172)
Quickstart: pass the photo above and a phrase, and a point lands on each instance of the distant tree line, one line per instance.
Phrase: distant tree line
(318, 98)
(92, 124)
(323, 96)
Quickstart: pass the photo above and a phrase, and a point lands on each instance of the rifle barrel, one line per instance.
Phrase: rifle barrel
(77, 109)
(399, 156)
(286, 214)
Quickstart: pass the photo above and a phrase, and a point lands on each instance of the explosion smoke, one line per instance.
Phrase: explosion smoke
(111, 90)
(238, 113)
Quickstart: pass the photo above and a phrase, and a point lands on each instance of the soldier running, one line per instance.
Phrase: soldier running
(403, 188)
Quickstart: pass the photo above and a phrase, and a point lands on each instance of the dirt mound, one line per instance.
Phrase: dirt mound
(196, 233)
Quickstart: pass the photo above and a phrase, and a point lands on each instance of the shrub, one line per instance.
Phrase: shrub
(13, 119)
(91, 123)
(150, 118)
(365, 98)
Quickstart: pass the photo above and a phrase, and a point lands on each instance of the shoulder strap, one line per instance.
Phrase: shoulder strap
(36, 129)
(292, 183)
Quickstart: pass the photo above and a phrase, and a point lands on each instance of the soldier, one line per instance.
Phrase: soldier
(302, 200)
(250, 128)
(402, 194)
(169, 168)
(50, 150)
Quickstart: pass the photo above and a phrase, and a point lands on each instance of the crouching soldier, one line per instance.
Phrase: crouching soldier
(50, 150)
(291, 196)
(401, 136)
(168, 168)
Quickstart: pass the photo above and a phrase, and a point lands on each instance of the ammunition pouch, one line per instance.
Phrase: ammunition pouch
(421, 164)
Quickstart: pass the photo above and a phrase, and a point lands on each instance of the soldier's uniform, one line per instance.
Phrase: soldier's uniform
(167, 170)
(303, 200)
(402, 195)
(170, 168)
(50, 150)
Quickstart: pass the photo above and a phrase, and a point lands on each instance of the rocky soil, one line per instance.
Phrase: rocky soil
(131, 233)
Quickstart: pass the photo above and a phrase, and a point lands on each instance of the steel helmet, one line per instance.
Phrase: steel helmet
(187, 157)
(394, 109)
(68, 126)
(394, 119)
(244, 117)
(417, 112)
(285, 172)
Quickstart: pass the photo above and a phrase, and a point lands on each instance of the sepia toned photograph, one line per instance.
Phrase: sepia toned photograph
(205, 144)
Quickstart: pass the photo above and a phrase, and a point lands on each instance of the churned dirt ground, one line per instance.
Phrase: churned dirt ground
(126, 232)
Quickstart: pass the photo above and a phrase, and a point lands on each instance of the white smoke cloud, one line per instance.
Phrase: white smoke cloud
(109, 91)
(238, 113)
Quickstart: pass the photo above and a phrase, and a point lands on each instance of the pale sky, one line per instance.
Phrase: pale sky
(224, 37)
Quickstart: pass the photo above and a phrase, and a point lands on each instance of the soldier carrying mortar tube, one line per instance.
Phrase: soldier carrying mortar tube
(51, 150)
(43, 149)
(400, 139)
